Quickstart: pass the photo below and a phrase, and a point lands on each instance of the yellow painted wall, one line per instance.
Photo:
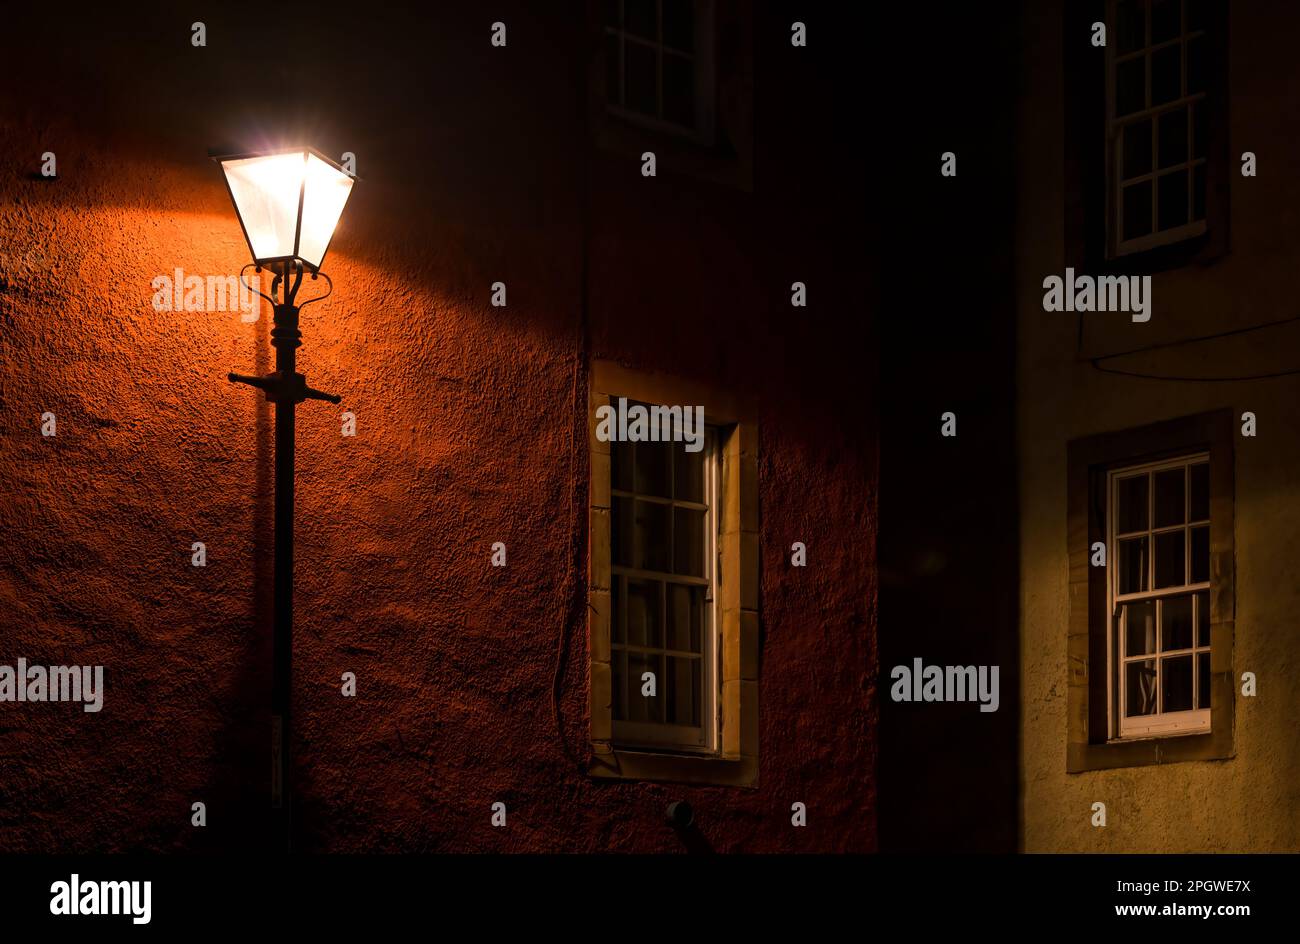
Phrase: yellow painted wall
(1252, 801)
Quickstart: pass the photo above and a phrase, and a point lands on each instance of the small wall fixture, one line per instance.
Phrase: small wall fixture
(680, 814)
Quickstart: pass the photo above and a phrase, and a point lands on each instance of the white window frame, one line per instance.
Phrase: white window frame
(1160, 724)
(705, 86)
(1115, 242)
(705, 739)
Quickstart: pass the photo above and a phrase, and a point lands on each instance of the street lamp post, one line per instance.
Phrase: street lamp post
(288, 203)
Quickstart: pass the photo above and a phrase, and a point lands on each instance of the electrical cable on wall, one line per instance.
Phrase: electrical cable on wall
(576, 596)
(1096, 362)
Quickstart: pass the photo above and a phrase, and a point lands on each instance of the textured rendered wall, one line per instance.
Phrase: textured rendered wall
(1247, 803)
(473, 170)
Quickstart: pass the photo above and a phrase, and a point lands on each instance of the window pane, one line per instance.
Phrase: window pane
(1200, 555)
(688, 473)
(641, 78)
(685, 618)
(1140, 688)
(1131, 23)
(653, 468)
(644, 708)
(1173, 200)
(1140, 628)
(1166, 74)
(1176, 683)
(682, 694)
(1200, 481)
(1173, 137)
(1203, 682)
(620, 465)
(1137, 148)
(644, 621)
(612, 14)
(679, 90)
(1198, 193)
(679, 24)
(1169, 559)
(1132, 497)
(639, 18)
(652, 524)
(639, 534)
(1137, 210)
(1203, 618)
(1130, 86)
(688, 542)
(1169, 498)
(1176, 615)
(1166, 20)
(622, 532)
(1196, 15)
(1196, 66)
(1133, 565)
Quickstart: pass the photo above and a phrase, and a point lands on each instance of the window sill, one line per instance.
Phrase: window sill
(614, 763)
(1149, 751)
(1160, 240)
(657, 126)
(1184, 729)
(1200, 249)
(1160, 736)
(676, 151)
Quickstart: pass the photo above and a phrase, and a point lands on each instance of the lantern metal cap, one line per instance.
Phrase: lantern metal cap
(220, 155)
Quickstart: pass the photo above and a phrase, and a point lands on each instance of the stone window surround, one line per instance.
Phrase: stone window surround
(1089, 461)
(736, 764)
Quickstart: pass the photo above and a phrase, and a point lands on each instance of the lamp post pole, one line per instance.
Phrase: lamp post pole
(286, 388)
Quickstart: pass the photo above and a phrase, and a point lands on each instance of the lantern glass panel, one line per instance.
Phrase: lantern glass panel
(323, 199)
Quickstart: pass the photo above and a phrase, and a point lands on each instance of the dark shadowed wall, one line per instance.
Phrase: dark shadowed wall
(476, 167)
(948, 773)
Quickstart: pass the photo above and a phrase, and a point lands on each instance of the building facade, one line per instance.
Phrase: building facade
(1157, 427)
(496, 578)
